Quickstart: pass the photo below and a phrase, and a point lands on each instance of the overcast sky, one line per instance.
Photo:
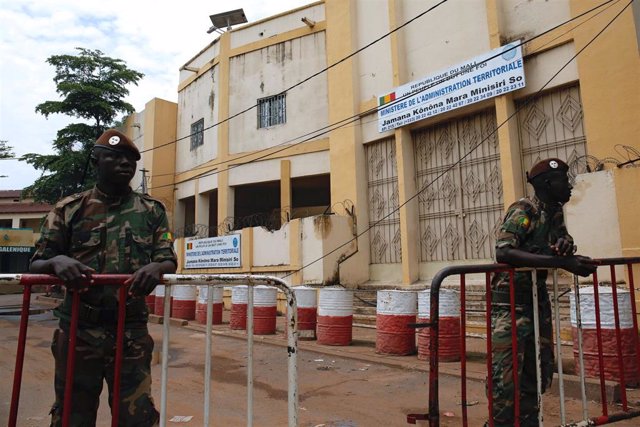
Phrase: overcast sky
(152, 37)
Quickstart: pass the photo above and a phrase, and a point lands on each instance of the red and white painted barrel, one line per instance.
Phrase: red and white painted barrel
(335, 316)
(395, 310)
(201, 306)
(184, 302)
(151, 301)
(307, 302)
(449, 325)
(159, 305)
(608, 334)
(238, 317)
(265, 301)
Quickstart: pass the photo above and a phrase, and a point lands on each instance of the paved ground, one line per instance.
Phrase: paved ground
(338, 386)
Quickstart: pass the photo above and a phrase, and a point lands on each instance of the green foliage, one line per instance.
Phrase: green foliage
(92, 88)
(5, 150)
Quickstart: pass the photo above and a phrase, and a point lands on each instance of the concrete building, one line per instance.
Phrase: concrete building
(412, 140)
(19, 229)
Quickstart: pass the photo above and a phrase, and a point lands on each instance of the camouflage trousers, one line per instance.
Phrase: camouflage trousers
(93, 365)
(502, 362)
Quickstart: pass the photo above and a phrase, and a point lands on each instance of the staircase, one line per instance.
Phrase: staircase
(365, 299)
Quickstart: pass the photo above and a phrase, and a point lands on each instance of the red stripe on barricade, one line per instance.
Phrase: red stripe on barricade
(22, 340)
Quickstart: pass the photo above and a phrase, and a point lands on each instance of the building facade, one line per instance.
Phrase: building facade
(20, 221)
(284, 119)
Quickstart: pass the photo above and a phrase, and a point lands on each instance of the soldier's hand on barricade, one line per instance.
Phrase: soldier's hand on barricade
(580, 265)
(564, 247)
(144, 280)
(71, 271)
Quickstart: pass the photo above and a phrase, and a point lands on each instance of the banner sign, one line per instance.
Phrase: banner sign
(16, 249)
(466, 83)
(213, 252)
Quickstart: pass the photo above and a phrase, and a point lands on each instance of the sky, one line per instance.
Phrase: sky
(152, 37)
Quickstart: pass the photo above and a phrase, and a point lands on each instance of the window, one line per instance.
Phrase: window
(272, 111)
(197, 134)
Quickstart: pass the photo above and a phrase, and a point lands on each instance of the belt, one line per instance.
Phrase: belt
(101, 315)
(521, 298)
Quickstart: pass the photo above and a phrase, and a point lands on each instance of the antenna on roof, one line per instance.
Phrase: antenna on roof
(226, 20)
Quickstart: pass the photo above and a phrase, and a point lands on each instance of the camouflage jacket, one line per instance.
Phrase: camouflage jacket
(109, 234)
(531, 226)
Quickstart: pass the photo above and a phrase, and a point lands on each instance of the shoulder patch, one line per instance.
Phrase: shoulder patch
(70, 199)
(153, 200)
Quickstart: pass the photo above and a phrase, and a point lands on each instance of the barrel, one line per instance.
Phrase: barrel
(159, 305)
(449, 325)
(395, 310)
(184, 302)
(608, 335)
(201, 306)
(151, 301)
(307, 303)
(265, 299)
(238, 317)
(335, 316)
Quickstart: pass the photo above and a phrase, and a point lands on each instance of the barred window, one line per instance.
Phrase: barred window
(197, 134)
(272, 111)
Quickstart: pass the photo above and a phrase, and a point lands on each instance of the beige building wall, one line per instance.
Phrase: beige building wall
(268, 56)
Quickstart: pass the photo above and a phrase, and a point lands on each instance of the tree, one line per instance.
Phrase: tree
(92, 87)
(5, 150)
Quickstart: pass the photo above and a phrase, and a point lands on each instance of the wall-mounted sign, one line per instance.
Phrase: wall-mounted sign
(213, 252)
(485, 76)
(15, 249)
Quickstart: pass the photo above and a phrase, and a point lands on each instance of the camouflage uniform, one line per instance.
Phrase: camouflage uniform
(531, 226)
(111, 235)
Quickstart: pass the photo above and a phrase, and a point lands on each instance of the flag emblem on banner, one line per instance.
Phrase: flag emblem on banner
(387, 98)
(189, 246)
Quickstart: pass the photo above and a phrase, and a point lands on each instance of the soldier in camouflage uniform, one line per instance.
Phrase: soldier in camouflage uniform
(108, 229)
(533, 234)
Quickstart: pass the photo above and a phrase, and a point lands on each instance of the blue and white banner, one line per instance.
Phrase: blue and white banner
(466, 83)
(213, 252)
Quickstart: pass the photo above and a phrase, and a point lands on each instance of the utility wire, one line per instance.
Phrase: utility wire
(349, 120)
(355, 238)
(311, 76)
(373, 109)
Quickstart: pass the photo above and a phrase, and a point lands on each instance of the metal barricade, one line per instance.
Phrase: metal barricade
(169, 280)
(433, 416)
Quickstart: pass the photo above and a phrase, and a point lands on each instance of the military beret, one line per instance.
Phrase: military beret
(115, 140)
(546, 166)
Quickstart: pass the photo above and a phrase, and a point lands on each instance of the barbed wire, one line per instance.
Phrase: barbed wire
(630, 158)
(272, 220)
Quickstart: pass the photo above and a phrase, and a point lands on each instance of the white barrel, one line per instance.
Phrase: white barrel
(395, 310)
(307, 303)
(448, 324)
(159, 301)
(335, 316)
(265, 299)
(608, 336)
(239, 294)
(184, 302)
(449, 303)
(607, 314)
(239, 299)
(203, 293)
(201, 306)
(265, 296)
(306, 297)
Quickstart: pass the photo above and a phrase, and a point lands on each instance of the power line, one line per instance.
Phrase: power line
(449, 168)
(344, 122)
(309, 77)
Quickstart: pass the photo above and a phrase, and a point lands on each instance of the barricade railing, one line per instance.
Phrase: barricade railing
(169, 280)
(433, 415)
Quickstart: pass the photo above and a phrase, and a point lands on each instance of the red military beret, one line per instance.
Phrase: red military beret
(115, 140)
(546, 166)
